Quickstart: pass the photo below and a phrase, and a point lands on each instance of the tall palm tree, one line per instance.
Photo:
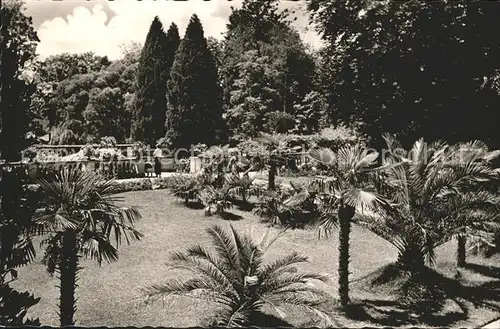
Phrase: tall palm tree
(428, 189)
(80, 220)
(235, 277)
(349, 188)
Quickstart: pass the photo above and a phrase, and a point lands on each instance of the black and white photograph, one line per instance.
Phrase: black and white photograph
(250, 163)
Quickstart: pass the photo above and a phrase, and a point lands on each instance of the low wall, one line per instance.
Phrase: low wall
(132, 168)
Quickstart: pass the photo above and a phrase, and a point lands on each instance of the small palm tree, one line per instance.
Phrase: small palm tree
(349, 188)
(184, 187)
(235, 277)
(474, 213)
(472, 217)
(430, 189)
(241, 186)
(291, 207)
(80, 219)
(216, 200)
(271, 150)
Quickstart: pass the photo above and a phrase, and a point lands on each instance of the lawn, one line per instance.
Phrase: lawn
(110, 296)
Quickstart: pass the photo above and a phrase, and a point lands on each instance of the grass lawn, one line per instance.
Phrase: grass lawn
(110, 296)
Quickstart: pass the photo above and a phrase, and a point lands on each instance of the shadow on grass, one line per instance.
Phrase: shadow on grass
(259, 319)
(194, 205)
(394, 314)
(491, 271)
(230, 216)
(435, 300)
(263, 320)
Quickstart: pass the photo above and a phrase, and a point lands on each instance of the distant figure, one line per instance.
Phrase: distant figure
(157, 154)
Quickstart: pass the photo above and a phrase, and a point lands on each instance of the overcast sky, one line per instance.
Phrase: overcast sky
(102, 26)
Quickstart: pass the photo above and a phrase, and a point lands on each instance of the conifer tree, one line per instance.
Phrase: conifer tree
(151, 101)
(195, 107)
(173, 41)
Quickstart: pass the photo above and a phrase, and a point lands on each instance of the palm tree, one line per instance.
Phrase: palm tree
(79, 220)
(429, 200)
(474, 213)
(271, 150)
(473, 217)
(350, 188)
(235, 277)
(242, 187)
(185, 187)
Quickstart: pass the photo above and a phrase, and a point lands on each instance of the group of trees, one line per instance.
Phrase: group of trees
(183, 92)
(383, 68)
(415, 68)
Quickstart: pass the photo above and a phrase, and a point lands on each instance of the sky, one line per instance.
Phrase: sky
(103, 26)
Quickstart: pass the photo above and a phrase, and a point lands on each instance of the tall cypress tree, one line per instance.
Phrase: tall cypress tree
(195, 105)
(152, 76)
(172, 44)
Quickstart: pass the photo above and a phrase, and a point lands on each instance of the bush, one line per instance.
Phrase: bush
(215, 200)
(182, 166)
(108, 142)
(139, 184)
(292, 207)
(186, 188)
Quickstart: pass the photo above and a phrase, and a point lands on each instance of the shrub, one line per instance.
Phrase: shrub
(108, 142)
(215, 200)
(139, 184)
(185, 187)
(292, 207)
(182, 166)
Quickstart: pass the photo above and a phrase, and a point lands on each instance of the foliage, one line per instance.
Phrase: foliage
(17, 53)
(292, 206)
(431, 196)
(153, 72)
(216, 200)
(138, 184)
(108, 142)
(265, 69)
(80, 220)
(14, 307)
(194, 95)
(390, 69)
(269, 151)
(350, 188)
(93, 105)
(242, 187)
(183, 166)
(235, 277)
(16, 249)
(311, 115)
(186, 188)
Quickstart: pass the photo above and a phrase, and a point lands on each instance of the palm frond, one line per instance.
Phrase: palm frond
(193, 287)
(97, 247)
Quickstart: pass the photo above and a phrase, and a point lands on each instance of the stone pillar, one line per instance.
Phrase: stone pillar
(195, 164)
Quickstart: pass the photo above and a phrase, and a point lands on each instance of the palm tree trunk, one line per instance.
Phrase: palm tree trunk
(271, 186)
(461, 251)
(68, 277)
(345, 215)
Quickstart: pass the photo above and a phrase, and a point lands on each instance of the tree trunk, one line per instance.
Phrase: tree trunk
(461, 251)
(345, 215)
(68, 277)
(271, 186)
